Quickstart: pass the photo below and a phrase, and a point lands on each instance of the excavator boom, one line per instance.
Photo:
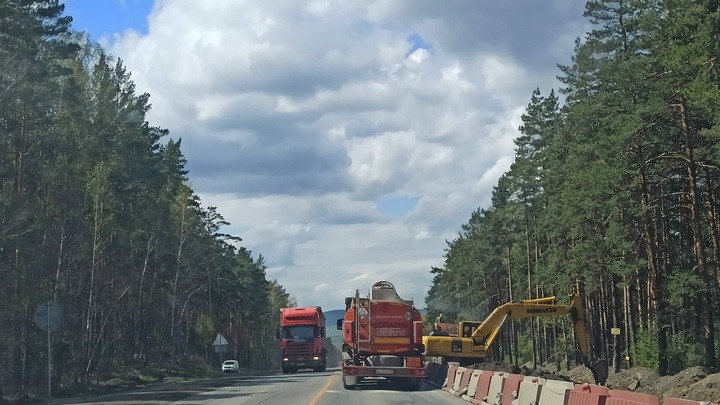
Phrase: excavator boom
(474, 339)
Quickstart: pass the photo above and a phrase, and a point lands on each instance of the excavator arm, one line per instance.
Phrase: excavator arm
(476, 345)
(486, 333)
(598, 367)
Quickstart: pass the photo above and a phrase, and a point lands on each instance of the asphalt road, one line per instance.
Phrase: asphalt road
(306, 388)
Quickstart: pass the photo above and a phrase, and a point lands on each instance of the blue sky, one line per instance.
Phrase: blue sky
(102, 18)
(416, 42)
(397, 206)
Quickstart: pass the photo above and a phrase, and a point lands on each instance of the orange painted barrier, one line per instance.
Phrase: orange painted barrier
(462, 379)
(497, 382)
(452, 371)
(619, 397)
(512, 385)
(472, 385)
(530, 390)
(482, 388)
(555, 392)
(586, 394)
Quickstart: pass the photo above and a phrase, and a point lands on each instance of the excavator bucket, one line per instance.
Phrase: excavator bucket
(600, 371)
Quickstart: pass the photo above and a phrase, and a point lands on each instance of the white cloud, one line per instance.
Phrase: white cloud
(297, 117)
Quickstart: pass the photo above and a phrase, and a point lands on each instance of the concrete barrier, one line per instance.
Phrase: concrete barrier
(481, 389)
(511, 388)
(586, 394)
(462, 380)
(494, 395)
(450, 380)
(620, 397)
(555, 392)
(473, 384)
(529, 391)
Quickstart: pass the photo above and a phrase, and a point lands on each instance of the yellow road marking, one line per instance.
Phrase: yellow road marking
(324, 389)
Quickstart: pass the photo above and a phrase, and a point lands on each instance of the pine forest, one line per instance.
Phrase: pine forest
(614, 192)
(97, 215)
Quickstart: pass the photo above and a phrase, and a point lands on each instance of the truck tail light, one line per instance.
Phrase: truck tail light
(417, 332)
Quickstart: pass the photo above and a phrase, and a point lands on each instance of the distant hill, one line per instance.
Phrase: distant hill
(332, 316)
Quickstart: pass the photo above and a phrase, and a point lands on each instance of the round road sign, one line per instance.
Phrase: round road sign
(48, 316)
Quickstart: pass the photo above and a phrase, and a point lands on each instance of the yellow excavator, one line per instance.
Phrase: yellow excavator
(471, 342)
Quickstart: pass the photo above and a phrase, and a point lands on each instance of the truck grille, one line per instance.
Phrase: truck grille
(299, 349)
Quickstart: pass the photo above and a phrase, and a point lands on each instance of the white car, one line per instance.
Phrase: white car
(230, 366)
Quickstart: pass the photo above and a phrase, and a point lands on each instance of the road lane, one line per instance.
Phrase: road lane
(303, 388)
(378, 392)
(299, 388)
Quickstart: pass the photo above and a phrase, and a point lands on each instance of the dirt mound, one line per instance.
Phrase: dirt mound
(548, 375)
(579, 374)
(638, 379)
(676, 386)
(506, 368)
(707, 389)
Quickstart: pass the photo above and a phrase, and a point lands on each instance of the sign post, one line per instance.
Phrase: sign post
(220, 345)
(615, 332)
(47, 317)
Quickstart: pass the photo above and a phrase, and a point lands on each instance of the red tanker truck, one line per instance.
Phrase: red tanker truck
(301, 336)
(382, 337)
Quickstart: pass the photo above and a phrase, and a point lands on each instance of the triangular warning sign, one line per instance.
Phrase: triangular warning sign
(220, 340)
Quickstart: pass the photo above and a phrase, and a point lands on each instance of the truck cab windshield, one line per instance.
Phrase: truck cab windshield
(300, 332)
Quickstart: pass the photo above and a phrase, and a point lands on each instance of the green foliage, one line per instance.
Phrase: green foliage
(97, 213)
(525, 349)
(683, 353)
(613, 193)
(645, 352)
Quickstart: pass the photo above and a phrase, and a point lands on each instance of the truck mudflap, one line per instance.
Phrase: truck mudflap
(368, 371)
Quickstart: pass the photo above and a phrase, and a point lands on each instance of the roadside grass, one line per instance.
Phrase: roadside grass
(121, 379)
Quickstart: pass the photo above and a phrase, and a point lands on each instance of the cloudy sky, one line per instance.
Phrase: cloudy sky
(345, 140)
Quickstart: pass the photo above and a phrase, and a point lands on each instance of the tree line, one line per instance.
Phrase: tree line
(614, 192)
(97, 215)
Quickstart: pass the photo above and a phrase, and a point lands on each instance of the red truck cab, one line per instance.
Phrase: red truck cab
(301, 336)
